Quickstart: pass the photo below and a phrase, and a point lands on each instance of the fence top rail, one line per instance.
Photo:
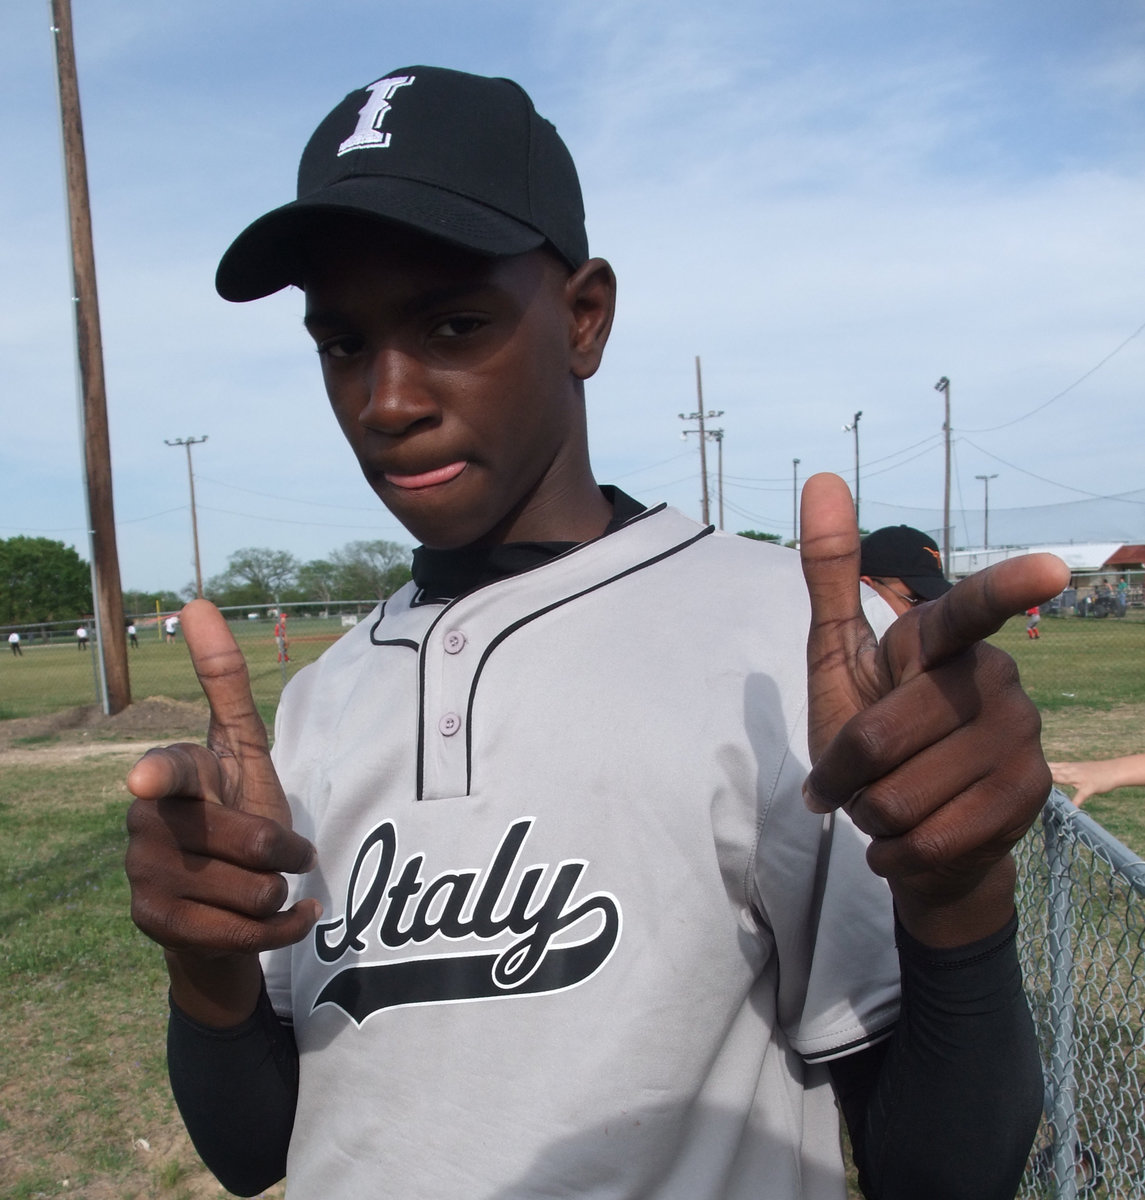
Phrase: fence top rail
(1081, 827)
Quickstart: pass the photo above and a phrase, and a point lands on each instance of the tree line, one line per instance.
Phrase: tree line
(43, 580)
(369, 570)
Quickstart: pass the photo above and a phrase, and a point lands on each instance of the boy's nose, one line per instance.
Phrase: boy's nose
(397, 396)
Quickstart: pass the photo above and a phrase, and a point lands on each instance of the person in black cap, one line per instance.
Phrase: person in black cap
(903, 565)
(571, 912)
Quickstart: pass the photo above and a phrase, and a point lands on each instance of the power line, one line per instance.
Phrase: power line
(234, 487)
(1055, 482)
(226, 512)
(653, 466)
(1065, 392)
(921, 454)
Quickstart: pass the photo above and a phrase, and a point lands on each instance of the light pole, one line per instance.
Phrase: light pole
(986, 510)
(189, 442)
(943, 386)
(795, 502)
(854, 426)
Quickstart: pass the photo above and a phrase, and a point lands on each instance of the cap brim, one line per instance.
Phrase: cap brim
(269, 254)
(929, 587)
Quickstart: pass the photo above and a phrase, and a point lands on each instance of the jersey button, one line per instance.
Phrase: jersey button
(449, 724)
(454, 641)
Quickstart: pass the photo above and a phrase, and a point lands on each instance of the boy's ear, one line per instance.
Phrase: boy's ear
(591, 295)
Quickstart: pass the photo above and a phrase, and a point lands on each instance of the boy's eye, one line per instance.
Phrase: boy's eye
(457, 327)
(339, 347)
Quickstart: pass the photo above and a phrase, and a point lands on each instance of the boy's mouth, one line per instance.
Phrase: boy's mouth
(426, 479)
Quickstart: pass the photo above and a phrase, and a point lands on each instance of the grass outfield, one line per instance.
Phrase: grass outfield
(1074, 664)
(84, 1104)
(47, 678)
(1096, 664)
(1087, 678)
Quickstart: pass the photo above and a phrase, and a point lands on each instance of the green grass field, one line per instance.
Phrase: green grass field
(1095, 664)
(84, 1105)
(1087, 678)
(47, 678)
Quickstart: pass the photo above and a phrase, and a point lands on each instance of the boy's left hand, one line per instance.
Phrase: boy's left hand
(925, 738)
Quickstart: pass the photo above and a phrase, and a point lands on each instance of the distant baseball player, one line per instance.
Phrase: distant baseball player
(597, 846)
(280, 639)
(1033, 617)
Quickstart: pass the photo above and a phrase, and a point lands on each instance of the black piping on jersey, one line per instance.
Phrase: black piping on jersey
(868, 1039)
(392, 641)
(511, 629)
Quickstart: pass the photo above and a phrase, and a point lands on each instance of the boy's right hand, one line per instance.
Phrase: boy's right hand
(210, 838)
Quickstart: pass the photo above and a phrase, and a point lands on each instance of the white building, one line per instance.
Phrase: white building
(1081, 557)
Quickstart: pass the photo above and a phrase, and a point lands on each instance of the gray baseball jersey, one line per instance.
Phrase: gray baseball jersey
(580, 934)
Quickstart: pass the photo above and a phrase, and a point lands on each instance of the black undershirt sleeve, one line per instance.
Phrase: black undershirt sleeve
(948, 1106)
(236, 1090)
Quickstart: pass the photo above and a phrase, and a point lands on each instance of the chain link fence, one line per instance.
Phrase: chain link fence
(1081, 901)
(1074, 663)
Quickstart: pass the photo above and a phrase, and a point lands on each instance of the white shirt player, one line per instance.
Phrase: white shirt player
(580, 935)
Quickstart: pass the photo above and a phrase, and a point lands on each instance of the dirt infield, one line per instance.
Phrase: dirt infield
(75, 733)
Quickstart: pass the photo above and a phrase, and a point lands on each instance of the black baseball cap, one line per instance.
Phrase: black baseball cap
(907, 554)
(460, 157)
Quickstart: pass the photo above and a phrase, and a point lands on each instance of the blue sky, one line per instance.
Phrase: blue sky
(832, 203)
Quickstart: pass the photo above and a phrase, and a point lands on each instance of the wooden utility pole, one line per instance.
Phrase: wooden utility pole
(943, 386)
(704, 434)
(111, 640)
(189, 442)
(703, 445)
(717, 436)
(854, 428)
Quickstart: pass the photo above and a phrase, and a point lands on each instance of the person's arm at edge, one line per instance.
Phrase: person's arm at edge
(1100, 775)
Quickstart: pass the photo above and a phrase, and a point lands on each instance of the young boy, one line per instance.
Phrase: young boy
(570, 911)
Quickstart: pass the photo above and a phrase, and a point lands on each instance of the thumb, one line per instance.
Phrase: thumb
(829, 549)
(236, 735)
(842, 676)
